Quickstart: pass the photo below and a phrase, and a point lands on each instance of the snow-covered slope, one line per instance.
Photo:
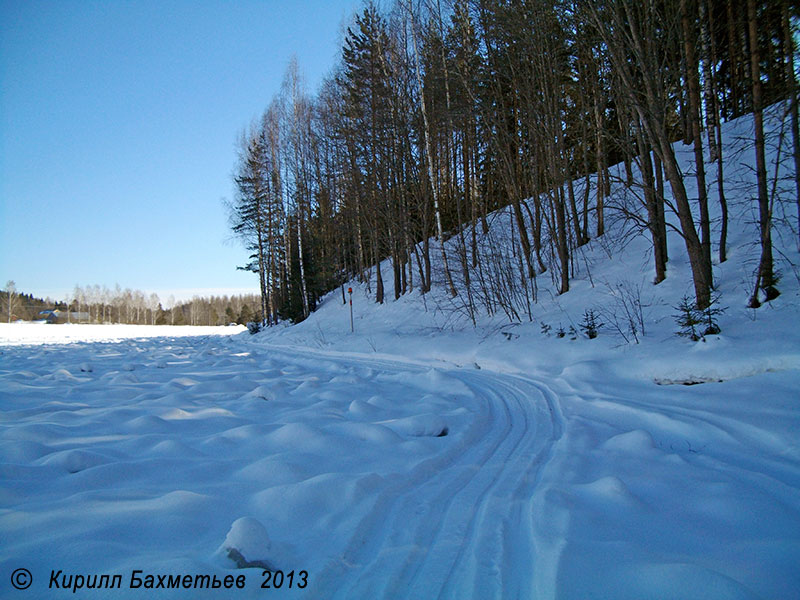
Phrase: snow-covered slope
(419, 457)
(613, 277)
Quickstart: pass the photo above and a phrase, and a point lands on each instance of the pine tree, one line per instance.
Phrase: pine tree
(368, 112)
(688, 318)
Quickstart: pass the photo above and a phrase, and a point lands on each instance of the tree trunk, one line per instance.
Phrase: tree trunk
(715, 127)
(429, 155)
(694, 122)
(651, 201)
(708, 79)
(765, 279)
(599, 207)
(791, 81)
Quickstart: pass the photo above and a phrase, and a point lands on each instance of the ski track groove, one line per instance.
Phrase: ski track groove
(656, 419)
(470, 548)
(479, 502)
(450, 524)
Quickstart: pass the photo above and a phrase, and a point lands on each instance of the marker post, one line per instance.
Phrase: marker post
(350, 291)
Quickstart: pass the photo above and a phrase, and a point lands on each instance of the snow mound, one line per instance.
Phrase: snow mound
(261, 392)
(361, 408)
(247, 544)
(75, 461)
(636, 441)
(608, 489)
(427, 425)
(64, 375)
(367, 432)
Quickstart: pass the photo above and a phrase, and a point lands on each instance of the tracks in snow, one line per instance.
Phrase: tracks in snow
(465, 523)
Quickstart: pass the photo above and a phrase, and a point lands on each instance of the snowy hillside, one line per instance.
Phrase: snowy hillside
(613, 277)
(422, 457)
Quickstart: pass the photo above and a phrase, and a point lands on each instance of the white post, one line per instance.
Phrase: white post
(350, 291)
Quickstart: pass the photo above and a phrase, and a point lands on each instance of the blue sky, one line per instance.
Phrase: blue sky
(118, 123)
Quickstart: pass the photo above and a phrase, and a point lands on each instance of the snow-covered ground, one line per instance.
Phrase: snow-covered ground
(395, 477)
(420, 457)
(43, 333)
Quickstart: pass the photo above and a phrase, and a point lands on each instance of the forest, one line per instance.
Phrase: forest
(99, 304)
(439, 112)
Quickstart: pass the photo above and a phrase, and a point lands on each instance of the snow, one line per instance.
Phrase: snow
(40, 332)
(421, 457)
(246, 541)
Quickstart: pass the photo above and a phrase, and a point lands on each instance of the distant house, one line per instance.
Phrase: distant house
(63, 316)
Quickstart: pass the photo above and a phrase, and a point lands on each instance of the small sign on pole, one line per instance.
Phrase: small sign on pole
(350, 291)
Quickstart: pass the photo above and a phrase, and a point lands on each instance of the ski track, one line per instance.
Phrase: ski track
(738, 438)
(464, 519)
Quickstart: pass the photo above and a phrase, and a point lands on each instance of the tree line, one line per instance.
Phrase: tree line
(99, 304)
(438, 114)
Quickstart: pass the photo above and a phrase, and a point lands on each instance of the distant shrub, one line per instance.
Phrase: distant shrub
(254, 327)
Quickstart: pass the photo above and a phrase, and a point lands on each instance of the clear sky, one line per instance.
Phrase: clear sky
(118, 123)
